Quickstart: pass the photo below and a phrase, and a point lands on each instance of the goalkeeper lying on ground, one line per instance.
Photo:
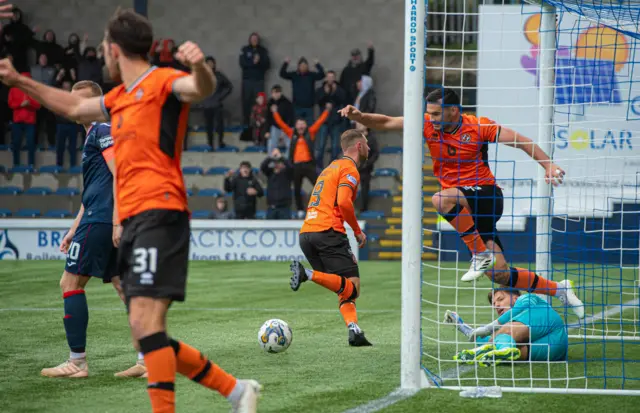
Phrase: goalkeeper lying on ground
(527, 329)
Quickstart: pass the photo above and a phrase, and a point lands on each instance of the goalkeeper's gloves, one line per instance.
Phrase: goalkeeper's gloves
(451, 317)
(484, 331)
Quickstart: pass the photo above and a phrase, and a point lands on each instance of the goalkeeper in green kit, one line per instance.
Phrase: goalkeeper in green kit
(527, 329)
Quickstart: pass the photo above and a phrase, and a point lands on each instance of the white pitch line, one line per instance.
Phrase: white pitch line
(376, 405)
(211, 309)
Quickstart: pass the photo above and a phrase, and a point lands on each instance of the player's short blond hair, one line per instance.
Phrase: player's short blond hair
(96, 90)
(350, 137)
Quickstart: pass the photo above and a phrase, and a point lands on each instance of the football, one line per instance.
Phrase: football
(274, 336)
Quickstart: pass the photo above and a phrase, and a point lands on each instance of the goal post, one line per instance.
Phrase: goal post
(563, 73)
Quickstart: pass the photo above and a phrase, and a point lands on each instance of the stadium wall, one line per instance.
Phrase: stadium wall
(327, 29)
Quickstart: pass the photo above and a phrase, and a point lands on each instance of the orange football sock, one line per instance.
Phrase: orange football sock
(462, 221)
(160, 360)
(348, 311)
(335, 283)
(523, 279)
(194, 365)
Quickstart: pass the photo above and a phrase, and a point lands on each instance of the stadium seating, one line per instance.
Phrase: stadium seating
(254, 149)
(380, 193)
(189, 192)
(38, 190)
(75, 169)
(391, 150)
(68, 191)
(50, 169)
(210, 192)
(218, 170)
(57, 213)
(21, 169)
(10, 190)
(261, 214)
(200, 148)
(192, 170)
(228, 148)
(27, 213)
(371, 215)
(201, 214)
(386, 172)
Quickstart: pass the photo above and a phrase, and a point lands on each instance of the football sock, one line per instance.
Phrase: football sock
(140, 357)
(160, 360)
(309, 273)
(503, 341)
(523, 279)
(76, 319)
(348, 311)
(462, 221)
(337, 284)
(194, 365)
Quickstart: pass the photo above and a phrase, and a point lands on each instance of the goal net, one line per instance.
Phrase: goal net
(562, 73)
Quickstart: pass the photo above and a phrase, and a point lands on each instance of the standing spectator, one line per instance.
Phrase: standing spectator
(258, 121)
(50, 47)
(46, 120)
(279, 175)
(5, 112)
(162, 52)
(221, 211)
(254, 61)
(90, 66)
(330, 92)
(24, 123)
(276, 139)
(304, 86)
(366, 100)
(366, 167)
(301, 154)
(72, 55)
(67, 136)
(246, 189)
(18, 38)
(354, 70)
(213, 106)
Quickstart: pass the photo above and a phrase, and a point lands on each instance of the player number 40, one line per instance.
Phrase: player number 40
(146, 260)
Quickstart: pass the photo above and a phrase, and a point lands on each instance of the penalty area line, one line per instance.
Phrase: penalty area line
(394, 397)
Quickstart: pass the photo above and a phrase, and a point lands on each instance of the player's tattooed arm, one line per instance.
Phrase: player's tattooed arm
(201, 83)
(372, 120)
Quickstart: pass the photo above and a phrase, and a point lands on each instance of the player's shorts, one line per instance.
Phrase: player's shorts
(547, 334)
(329, 251)
(154, 254)
(92, 253)
(487, 205)
(552, 347)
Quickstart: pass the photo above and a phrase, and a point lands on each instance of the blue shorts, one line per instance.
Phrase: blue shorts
(547, 334)
(92, 252)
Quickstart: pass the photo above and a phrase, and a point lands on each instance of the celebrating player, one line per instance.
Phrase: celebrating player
(90, 244)
(323, 239)
(527, 328)
(470, 199)
(149, 118)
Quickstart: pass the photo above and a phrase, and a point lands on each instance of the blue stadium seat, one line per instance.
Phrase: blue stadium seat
(51, 169)
(256, 171)
(192, 170)
(27, 213)
(189, 192)
(200, 148)
(371, 215)
(218, 170)
(380, 193)
(57, 213)
(386, 172)
(38, 190)
(44, 148)
(215, 192)
(261, 214)
(4, 147)
(69, 191)
(10, 190)
(254, 149)
(391, 150)
(234, 129)
(373, 237)
(5, 213)
(228, 148)
(201, 214)
(21, 169)
(75, 169)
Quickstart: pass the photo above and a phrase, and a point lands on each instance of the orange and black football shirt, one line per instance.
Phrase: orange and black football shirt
(148, 124)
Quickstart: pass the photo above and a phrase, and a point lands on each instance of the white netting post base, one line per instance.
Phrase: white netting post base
(562, 73)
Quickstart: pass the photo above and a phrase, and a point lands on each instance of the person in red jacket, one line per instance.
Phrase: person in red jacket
(24, 123)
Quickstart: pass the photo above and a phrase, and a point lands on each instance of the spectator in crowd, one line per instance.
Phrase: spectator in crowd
(46, 120)
(246, 189)
(366, 167)
(276, 139)
(161, 53)
(354, 70)
(304, 86)
(90, 66)
(330, 92)
(254, 61)
(221, 210)
(366, 100)
(24, 123)
(52, 49)
(302, 152)
(213, 106)
(18, 38)
(258, 121)
(72, 54)
(5, 112)
(67, 136)
(279, 175)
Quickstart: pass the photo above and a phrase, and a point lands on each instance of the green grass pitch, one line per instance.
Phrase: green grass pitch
(226, 304)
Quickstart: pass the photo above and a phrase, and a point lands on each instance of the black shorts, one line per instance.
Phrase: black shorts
(487, 204)
(154, 254)
(91, 252)
(329, 251)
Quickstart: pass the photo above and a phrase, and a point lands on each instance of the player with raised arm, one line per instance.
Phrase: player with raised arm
(527, 329)
(90, 244)
(148, 113)
(470, 199)
(323, 238)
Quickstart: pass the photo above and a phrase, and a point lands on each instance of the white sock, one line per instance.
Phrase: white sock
(354, 327)
(76, 356)
(309, 273)
(236, 393)
(141, 357)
